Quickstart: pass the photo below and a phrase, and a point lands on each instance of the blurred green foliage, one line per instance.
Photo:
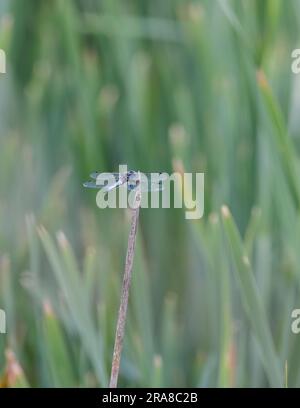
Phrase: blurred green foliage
(206, 85)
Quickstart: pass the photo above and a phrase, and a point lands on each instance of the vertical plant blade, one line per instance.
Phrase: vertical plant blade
(252, 301)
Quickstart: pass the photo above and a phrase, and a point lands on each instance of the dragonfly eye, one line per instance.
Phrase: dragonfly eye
(130, 173)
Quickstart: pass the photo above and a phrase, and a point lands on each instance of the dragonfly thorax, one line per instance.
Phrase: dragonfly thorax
(129, 174)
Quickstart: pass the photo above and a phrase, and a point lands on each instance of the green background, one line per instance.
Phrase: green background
(205, 85)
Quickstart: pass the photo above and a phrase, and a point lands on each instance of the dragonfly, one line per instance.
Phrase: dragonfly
(131, 178)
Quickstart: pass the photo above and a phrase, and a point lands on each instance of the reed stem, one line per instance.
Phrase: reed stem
(120, 330)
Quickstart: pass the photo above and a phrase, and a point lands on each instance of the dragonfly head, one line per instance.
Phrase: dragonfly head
(129, 174)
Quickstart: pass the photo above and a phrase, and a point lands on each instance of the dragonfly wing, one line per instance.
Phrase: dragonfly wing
(145, 186)
(96, 175)
(111, 186)
(150, 177)
(91, 184)
(105, 187)
(154, 186)
(109, 181)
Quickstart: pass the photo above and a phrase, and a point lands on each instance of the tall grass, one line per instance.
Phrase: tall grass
(153, 84)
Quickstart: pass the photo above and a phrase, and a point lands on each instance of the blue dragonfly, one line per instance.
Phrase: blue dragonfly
(132, 179)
